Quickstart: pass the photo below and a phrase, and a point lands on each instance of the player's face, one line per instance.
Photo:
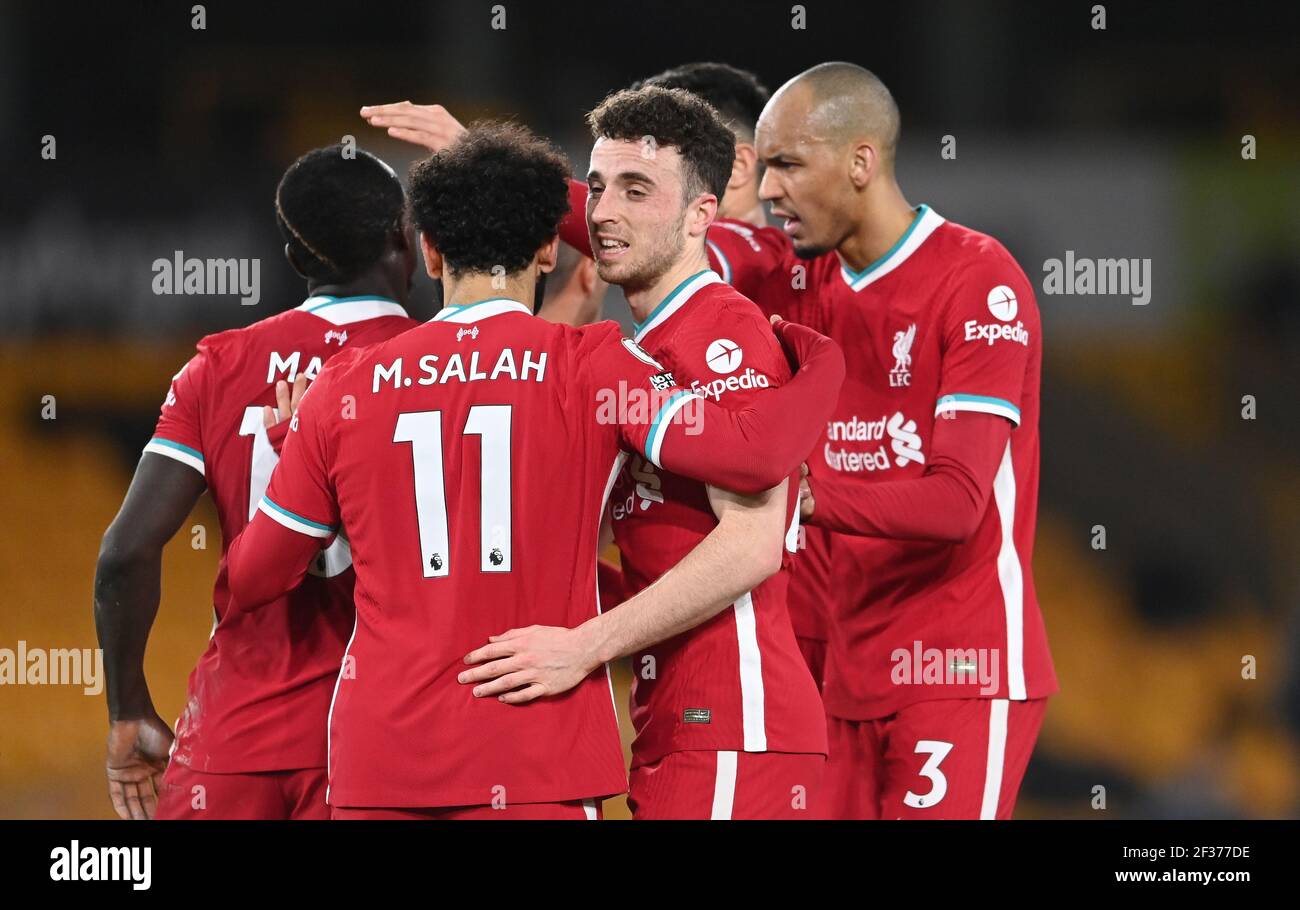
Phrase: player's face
(806, 180)
(635, 211)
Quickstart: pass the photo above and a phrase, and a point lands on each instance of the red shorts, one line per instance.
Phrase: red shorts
(276, 795)
(577, 810)
(814, 655)
(954, 758)
(701, 784)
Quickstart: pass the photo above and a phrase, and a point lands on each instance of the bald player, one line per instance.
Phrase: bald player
(938, 668)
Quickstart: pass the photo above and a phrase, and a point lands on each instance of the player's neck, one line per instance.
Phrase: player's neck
(367, 285)
(748, 208)
(885, 219)
(642, 301)
(472, 288)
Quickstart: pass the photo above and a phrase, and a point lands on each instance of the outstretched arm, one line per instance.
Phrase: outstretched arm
(764, 442)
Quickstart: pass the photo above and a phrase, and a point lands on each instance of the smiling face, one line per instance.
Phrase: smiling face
(636, 212)
(809, 178)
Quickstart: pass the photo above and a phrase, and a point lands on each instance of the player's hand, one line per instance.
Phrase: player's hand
(798, 341)
(136, 760)
(524, 664)
(429, 125)
(286, 401)
(806, 503)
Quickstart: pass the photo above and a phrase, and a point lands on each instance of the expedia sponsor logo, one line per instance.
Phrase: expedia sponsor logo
(750, 379)
(995, 332)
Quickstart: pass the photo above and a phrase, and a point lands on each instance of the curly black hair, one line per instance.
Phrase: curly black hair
(336, 213)
(492, 198)
(675, 118)
(737, 94)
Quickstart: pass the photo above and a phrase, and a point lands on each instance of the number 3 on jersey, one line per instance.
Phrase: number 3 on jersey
(423, 430)
(938, 751)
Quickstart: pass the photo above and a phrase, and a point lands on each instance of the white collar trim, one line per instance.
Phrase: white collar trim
(927, 219)
(347, 310)
(675, 300)
(473, 312)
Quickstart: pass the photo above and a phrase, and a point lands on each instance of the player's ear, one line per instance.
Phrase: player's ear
(432, 258)
(293, 262)
(585, 274)
(863, 164)
(547, 255)
(744, 167)
(702, 212)
(399, 238)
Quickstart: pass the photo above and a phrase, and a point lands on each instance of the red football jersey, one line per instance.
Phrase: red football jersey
(944, 322)
(736, 681)
(468, 462)
(259, 696)
(750, 258)
(755, 260)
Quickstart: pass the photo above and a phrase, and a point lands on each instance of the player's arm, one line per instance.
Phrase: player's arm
(296, 517)
(750, 449)
(168, 480)
(944, 504)
(977, 410)
(429, 125)
(128, 580)
(742, 551)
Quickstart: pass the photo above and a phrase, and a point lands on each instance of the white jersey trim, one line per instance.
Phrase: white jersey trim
(927, 219)
(753, 714)
(184, 454)
(347, 310)
(329, 718)
(993, 769)
(724, 786)
(483, 309)
(1010, 576)
(675, 300)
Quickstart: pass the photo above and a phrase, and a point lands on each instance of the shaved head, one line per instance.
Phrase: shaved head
(827, 140)
(846, 103)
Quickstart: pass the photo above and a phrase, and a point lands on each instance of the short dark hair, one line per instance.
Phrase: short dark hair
(492, 198)
(676, 118)
(737, 94)
(336, 213)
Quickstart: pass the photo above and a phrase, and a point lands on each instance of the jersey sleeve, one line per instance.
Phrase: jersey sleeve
(991, 321)
(745, 256)
(300, 495)
(179, 434)
(735, 362)
(746, 450)
(945, 504)
(573, 227)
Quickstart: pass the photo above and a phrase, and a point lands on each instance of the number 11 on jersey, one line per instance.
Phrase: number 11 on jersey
(423, 430)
